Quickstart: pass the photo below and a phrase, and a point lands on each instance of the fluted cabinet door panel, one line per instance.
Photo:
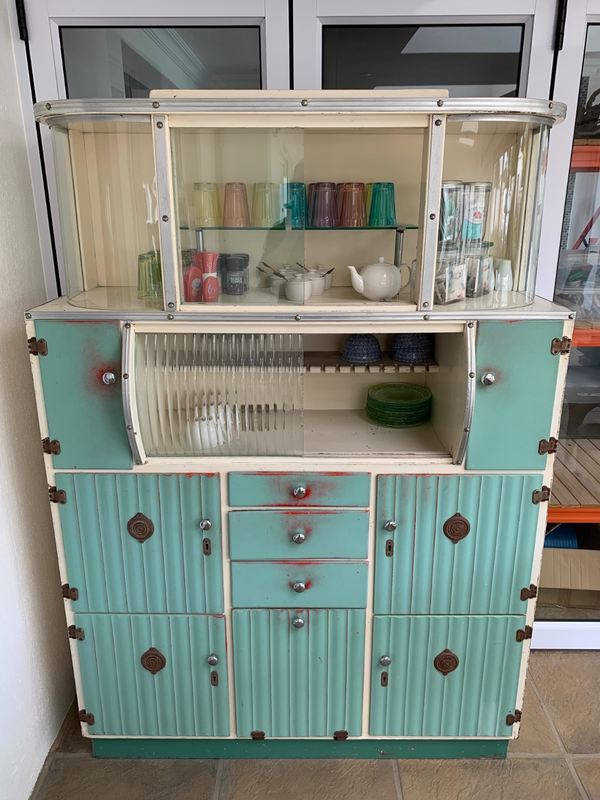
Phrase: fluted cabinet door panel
(168, 572)
(127, 699)
(419, 700)
(429, 573)
(304, 681)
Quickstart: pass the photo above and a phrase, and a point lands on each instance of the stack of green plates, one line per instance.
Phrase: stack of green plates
(398, 405)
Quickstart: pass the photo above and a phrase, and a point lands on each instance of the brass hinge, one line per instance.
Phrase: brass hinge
(51, 448)
(340, 736)
(560, 346)
(548, 446)
(541, 495)
(70, 593)
(76, 633)
(258, 735)
(85, 717)
(57, 495)
(37, 347)
(529, 594)
(524, 634)
(512, 718)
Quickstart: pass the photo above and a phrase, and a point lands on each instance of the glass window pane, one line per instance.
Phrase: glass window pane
(129, 62)
(468, 60)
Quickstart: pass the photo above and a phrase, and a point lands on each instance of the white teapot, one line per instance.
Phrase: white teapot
(379, 281)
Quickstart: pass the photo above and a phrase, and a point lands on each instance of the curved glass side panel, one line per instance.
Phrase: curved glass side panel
(109, 214)
(490, 213)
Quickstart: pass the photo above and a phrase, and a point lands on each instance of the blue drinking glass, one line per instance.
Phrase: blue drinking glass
(297, 204)
(383, 206)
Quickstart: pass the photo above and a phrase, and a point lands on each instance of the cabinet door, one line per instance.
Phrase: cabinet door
(298, 681)
(84, 413)
(169, 691)
(416, 695)
(513, 414)
(430, 570)
(116, 569)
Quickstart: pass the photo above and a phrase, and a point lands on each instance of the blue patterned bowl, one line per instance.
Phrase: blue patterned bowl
(361, 348)
(413, 348)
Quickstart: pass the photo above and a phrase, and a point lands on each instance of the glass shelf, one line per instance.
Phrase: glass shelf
(400, 226)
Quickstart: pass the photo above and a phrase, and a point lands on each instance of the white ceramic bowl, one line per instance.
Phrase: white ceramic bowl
(299, 289)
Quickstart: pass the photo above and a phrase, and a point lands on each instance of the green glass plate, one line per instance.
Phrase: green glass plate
(399, 395)
(389, 424)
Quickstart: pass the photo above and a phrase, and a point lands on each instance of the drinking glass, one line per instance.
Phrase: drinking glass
(368, 198)
(207, 209)
(383, 206)
(235, 206)
(266, 206)
(324, 206)
(339, 191)
(353, 206)
(297, 204)
(311, 202)
(149, 286)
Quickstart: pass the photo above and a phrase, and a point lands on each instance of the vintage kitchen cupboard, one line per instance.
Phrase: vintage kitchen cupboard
(251, 565)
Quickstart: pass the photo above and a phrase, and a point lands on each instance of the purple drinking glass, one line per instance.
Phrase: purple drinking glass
(325, 206)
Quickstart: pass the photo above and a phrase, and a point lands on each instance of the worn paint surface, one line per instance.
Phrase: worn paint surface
(276, 488)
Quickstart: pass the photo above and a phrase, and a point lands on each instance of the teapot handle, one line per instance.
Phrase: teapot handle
(410, 269)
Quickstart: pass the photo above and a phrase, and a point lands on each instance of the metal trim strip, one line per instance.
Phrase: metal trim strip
(126, 378)
(470, 398)
(166, 220)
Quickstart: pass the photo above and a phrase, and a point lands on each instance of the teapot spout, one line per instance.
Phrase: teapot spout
(357, 282)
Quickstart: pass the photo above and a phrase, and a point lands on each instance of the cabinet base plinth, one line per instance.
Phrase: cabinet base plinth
(300, 748)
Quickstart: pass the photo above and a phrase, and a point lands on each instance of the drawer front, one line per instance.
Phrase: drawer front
(430, 573)
(327, 584)
(299, 489)
(168, 572)
(305, 681)
(178, 699)
(417, 699)
(260, 535)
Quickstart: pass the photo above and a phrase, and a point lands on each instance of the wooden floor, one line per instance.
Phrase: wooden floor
(576, 485)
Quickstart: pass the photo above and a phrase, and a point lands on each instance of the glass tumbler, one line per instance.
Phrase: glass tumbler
(207, 209)
(383, 206)
(297, 204)
(368, 198)
(339, 193)
(354, 214)
(325, 206)
(235, 206)
(266, 206)
(311, 202)
(149, 287)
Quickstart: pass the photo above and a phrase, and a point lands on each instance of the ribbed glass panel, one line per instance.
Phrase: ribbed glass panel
(166, 573)
(304, 681)
(179, 700)
(483, 573)
(419, 700)
(219, 394)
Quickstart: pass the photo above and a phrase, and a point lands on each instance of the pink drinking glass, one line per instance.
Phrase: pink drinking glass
(325, 206)
(339, 191)
(235, 206)
(354, 213)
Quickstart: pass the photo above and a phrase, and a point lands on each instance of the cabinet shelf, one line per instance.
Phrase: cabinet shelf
(331, 363)
(281, 228)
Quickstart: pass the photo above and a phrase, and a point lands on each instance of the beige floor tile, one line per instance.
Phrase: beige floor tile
(589, 772)
(124, 779)
(536, 735)
(569, 683)
(299, 779)
(514, 779)
(71, 740)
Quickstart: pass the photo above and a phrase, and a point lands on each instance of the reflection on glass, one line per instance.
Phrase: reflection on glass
(468, 60)
(131, 61)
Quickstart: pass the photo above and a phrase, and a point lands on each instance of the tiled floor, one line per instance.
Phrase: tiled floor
(557, 757)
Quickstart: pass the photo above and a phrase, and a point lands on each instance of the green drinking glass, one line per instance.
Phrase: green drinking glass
(383, 206)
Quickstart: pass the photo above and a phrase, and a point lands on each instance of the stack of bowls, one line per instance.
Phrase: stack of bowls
(413, 348)
(398, 405)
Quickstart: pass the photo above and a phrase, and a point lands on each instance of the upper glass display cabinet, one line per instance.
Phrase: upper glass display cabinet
(204, 201)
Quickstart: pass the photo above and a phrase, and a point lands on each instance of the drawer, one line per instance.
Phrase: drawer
(299, 488)
(260, 535)
(328, 584)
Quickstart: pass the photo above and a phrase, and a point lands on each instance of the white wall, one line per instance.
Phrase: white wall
(35, 674)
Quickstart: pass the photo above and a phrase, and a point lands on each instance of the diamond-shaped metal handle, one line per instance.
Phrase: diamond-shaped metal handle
(299, 587)
(390, 526)
(213, 660)
(299, 538)
(299, 492)
(109, 378)
(298, 622)
(488, 379)
(205, 524)
(385, 661)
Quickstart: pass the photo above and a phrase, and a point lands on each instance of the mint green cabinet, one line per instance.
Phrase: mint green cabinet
(112, 564)
(427, 570)
(447, 675)
(298, 681)
(148, 675)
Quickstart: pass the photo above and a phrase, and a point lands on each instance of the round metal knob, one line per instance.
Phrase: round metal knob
(299, 492)
(213, 660)
(299, 537)
(390, 526)
(205, 524)
(109, 378)
(385, 661)
(488, 378)
(298, 622)
(299, 587)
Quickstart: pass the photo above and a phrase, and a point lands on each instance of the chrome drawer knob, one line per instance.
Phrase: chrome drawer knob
(390, 526)
(488, 378)
(299, 587)
(385, 661)
(109, 378)
(298, 622)
(205, 524)
(299, 538)
(299, 492)
(213, 660)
